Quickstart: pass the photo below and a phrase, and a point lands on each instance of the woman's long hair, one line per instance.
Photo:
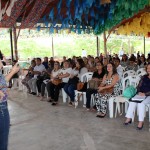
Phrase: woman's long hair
(81, 63)
(114, 70)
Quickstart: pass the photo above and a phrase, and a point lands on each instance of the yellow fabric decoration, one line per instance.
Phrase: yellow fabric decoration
(139, 26)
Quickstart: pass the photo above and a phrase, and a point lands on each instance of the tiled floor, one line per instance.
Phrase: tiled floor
(37, 125)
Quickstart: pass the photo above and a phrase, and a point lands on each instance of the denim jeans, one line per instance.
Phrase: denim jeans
(4, 125)
(70, 90)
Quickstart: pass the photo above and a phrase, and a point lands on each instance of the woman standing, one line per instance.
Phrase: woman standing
(4, 114)
(143, 89)
(110, 80)
(77, 72)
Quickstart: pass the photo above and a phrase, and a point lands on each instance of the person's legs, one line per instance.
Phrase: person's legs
(89, 92)
(34, 85)
(43, 89)
(71, 91)
(66, 88)
(25, 83)
(141, 111)
(38, 83)
(130, 111)
(50, 89)
(4, 127)
(30, 84)
(56, 94)
(103, 106)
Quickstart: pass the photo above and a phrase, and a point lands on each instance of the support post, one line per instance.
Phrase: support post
(105, 44)
(11, 44)
(97, 39)
(15, 43)
(144, 46)
(52, 47)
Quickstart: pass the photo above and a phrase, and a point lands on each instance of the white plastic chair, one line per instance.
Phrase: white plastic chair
(140, 72)
(84, 78)
(120, 99)
(129, 73)
(6, 69)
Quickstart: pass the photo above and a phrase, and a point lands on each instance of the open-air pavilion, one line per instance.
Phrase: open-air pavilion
(35, 125)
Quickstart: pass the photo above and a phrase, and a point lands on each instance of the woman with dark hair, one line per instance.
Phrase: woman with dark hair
(76, 74)
(143, 89)
(124, 62)
(97, 76)
(4, 113)
(110, 80)
(142, 62)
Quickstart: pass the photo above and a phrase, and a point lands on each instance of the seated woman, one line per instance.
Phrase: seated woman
(97, 76)
(29, 75)
(110, 81)
(143, 89)
(52, 89)
(54, 74)
(142, 63)
(78, 71)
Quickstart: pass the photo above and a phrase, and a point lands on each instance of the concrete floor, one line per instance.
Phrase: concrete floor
(36, 125)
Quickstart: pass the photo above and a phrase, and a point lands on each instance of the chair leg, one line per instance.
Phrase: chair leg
(84, 99)
(117, 108)
(64, 96)
(111, 107)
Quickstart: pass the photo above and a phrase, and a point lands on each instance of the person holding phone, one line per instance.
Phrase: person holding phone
(4, 113)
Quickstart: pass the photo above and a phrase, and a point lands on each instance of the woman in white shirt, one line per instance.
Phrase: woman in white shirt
(76, 74)
(55, 72)
(53, 90)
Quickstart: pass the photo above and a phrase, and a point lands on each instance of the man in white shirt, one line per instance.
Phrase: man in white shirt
(38, 69)
(118, 67)
(84, 53)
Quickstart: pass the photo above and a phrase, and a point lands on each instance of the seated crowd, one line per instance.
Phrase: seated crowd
(51, 76)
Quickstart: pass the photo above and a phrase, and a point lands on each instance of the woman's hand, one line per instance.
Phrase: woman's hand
(141, 94)
(101, 88)
(15, 68)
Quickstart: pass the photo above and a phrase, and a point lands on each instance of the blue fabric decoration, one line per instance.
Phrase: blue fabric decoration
(51, 14)
(92, 13)
(46, 23)
(51, 29)
(68, 3)
(38, 28)
(59, 4)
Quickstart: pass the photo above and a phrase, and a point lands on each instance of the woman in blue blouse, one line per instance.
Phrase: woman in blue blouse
(4, 114)
(143, 89)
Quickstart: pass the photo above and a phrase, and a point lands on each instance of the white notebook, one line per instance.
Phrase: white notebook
(138, 98)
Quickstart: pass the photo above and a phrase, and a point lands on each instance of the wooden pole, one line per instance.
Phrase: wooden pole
(52, 47)
(97, 39)
(105, 44)
(15, 43)
(11, 44)
(144, 46)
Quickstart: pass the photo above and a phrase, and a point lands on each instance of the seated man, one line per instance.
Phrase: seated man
(38, 69)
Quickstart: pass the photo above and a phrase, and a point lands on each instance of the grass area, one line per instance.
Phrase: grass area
(69, 45)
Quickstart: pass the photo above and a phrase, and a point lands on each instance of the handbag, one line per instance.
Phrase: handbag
(107, 91)
(129, 92)
(56, 81)
(81, 86)
(93, 84)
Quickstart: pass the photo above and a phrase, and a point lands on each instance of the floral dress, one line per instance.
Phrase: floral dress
(101, 99)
